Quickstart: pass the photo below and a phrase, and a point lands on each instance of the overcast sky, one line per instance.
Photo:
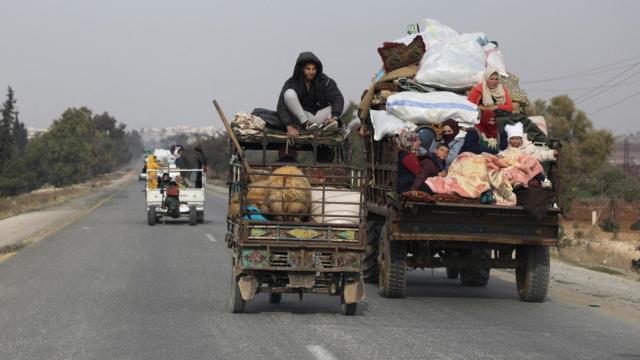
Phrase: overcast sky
(154, 63)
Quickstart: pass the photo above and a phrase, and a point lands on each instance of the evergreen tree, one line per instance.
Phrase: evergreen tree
(6, 131)
(19, 134)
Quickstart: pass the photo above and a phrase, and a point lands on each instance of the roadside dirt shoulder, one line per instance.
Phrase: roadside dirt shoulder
(29, 226)
(583, 287)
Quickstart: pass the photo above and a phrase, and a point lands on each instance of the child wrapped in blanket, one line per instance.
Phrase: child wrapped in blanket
(524, 159)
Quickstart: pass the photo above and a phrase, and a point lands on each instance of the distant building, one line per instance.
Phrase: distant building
(626, 153)
(33, 132)
(153, 136)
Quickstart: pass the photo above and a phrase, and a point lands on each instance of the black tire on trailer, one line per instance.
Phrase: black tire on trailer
(193, 217)
(370, 263)
(452, 273)
(475, 276)
(392, 265)
(275, 298)
(200, 216)
(236, 302)
(151, 215)
(532, 275)
(347, 309)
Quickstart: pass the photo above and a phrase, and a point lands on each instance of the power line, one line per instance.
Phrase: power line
(582, 88)
(588, 72)
(593, 93)
(614, 104)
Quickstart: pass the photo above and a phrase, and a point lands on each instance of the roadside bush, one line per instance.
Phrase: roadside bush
(609, 225)
(635, 226)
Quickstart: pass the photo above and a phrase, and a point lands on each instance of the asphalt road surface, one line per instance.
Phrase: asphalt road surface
(111, 287)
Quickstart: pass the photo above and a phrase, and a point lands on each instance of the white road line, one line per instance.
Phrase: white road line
(210, 237)
(320, 353)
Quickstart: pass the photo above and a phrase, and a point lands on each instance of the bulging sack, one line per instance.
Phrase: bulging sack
(432, 108)
(456, 64)
(385, 124)
(494, 59)
(433, 33)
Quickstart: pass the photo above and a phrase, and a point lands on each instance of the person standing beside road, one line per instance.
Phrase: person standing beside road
(309, 99)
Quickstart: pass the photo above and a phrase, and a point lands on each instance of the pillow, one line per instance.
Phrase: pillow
(398, 55)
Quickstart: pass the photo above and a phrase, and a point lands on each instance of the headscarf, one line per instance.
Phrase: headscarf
(405, 140)
(490, 131)
(448, 138)
(488, 95)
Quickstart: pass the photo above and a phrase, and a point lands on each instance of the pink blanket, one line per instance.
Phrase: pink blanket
(470, 175)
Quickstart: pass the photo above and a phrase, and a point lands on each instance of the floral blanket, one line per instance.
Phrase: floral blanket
(470, 175)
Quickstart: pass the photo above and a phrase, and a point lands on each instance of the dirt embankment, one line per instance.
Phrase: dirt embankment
(51, 196)
(591, 247)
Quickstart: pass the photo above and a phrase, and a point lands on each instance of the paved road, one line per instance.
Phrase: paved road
(111, 287)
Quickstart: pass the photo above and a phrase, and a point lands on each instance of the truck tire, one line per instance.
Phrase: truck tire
(193, 215)
(370, 264)
(475, 276)
(532, 275)
(236, 302)
(200, 216)
(452, 273)
(151, 215)
(275, 298)
(392, 265)
(347, 309)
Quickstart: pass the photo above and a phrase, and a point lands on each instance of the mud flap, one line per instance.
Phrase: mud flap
(248, 285)
(354, 291)
(302, 280)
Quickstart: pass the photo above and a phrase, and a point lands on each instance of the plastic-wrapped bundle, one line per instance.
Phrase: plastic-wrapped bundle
(494, 59)
(432, 108)
(455, 64)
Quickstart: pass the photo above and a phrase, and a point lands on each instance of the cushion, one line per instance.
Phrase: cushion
(397, 55)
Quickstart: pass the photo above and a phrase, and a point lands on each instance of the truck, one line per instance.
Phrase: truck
(295, 224)
(467, 239)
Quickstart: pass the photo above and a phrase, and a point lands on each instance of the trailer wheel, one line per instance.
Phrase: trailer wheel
(474, 275)
(532, 273)
(200, 216)
(275, 298)
(236, 301)
(193, 217)
(370, 263)
(452, 273)
(347, 309)
(392, 265)
(151, 215)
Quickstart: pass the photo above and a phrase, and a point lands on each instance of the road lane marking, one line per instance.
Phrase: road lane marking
(4, 257)
(210, 237)
(320, 353)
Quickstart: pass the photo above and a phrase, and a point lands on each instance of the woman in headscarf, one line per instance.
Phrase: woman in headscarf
(490, 94)
(450, 138)
(485, 136)
(408, 144)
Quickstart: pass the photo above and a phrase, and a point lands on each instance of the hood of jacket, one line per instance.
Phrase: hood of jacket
(303, 59)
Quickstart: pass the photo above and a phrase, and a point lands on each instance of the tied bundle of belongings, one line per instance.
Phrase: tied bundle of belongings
(425, 78)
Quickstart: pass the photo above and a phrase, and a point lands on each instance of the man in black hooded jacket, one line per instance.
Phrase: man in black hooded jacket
(309, 99)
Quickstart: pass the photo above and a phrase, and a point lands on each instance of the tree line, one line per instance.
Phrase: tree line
(78, 146)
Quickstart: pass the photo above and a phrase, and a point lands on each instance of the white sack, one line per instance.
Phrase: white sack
(333, 213)
(385, 124)
(432, 108)
(541, 123)
(494, 59)
(434, 32)
(163, 155)
(453, 65)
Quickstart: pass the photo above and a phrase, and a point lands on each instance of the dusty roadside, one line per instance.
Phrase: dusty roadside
(49, 210)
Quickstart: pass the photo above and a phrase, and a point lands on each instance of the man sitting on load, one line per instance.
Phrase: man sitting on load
(309, 99)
